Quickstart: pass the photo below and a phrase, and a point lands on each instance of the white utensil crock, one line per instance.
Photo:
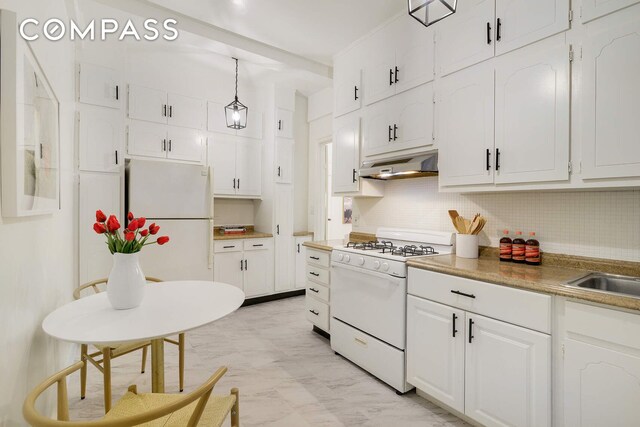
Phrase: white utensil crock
(125, 287)
(467, 245)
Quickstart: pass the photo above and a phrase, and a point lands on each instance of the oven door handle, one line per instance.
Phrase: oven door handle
(368, 272)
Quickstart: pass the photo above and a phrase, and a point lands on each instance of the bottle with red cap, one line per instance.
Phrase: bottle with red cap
(532, 250)
(505, 247)
(518, 249)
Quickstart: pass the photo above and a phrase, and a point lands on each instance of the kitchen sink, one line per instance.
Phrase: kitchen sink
(609, 283)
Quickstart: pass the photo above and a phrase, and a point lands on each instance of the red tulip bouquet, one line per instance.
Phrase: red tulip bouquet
(133, 238)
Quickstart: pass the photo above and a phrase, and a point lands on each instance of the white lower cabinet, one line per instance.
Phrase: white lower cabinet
(283, 216)
(318, 296)
(246, 264)
(507, 374)
(495, 372)
(601, 367)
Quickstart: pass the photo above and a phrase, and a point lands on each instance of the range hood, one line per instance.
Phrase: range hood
(401, 167)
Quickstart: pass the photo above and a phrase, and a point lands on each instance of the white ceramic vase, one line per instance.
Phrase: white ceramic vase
(125, 287)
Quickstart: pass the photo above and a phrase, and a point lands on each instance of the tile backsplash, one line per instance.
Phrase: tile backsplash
(601, 224)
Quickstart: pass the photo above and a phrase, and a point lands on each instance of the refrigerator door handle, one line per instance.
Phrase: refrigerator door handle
(210, 258)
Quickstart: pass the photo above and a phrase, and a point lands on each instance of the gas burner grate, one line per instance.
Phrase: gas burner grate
(413, 250)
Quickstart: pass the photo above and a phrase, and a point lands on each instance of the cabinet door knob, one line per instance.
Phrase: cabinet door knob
(164, 110)
(279, 124)
(170, 110)
(354, 176)
(497, 159)
(116, 157)
(234, 183)
(390, 76)
(395, 132)
(355, 93)
(246, 266)
(488, 33)
(498, 32)
(164, 145)
(241, 266)
(298, 247)
(390, 130)
(117, 92)
(471, 330)
(278, 229)
(397, 79)
(487, 159)
(169, 145)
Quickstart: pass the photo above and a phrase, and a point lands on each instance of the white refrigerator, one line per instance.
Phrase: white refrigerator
(178, 198)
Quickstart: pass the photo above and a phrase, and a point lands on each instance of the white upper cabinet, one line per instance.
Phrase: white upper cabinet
(466, 38)
(435, 350)
(158, 106)
(216, 122)
(185, 111)
(147, 140)
(237, 166)
(466, 127)
(184, 144)
(222, 157)
(611, 99)
(284, 161)
(401, 58)
(99, 86)
(492, 27)
(592, 9)
(507, 374)
(346, 154)
(248, 168)
(147, 104)
(165, 142)
(348, 87)
(401, 123)
(101, 139)
(521, 22)
(532, 116)
(284, 123)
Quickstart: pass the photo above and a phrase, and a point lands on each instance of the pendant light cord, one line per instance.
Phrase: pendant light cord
(236, 78)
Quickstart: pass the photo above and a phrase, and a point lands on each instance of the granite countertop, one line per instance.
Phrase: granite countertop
(247, 235)
(548, 279)
(302, 233)
(325, 245)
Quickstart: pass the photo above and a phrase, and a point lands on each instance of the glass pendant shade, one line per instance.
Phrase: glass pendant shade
(428, 12)
(236, 112)
(236, 115)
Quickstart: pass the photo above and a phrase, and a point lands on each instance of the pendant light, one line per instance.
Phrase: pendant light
(428, 12)
(236, 112)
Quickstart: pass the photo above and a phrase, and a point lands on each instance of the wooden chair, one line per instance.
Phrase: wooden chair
(108, 353)
(198, 408)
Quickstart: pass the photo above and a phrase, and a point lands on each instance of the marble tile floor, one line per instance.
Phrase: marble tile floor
(288, 376)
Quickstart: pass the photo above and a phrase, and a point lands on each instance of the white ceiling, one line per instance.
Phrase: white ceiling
(315, 29)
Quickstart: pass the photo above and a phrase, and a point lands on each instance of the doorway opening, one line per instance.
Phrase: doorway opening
(337, 209)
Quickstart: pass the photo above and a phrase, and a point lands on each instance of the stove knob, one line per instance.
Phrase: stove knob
(385, 266)
(361, 260)
(340, 257)
(376, 264)
(347, 258)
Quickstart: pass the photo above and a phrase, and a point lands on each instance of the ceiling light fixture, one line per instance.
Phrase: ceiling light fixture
(428, 12)
(236, 112)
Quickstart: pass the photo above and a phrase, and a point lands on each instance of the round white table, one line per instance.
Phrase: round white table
(168, 308)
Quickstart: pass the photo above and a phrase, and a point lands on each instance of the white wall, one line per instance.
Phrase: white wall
(602, 224)
(37, 267)
(233, 212)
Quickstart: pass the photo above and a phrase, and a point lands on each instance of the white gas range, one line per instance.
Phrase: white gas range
(368, 299)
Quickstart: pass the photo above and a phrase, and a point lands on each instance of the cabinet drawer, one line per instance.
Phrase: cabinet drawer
(318, 291)
(377, 357)
(318, 275)
(257, 244)
(604, 324)
(227, 246)
(321, 258)
(528, 309)
(317, 313)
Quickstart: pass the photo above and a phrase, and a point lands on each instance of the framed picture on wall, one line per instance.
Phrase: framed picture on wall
(29, 128)
(347, 210)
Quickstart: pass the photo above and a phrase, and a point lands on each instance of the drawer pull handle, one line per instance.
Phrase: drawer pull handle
(471, 330)
(314, 312)
(228, 247)
(315, 258)
(454, 325)
(314, 274)
(257, 246)
(360, 341)
(314, 290)
(463, 294)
